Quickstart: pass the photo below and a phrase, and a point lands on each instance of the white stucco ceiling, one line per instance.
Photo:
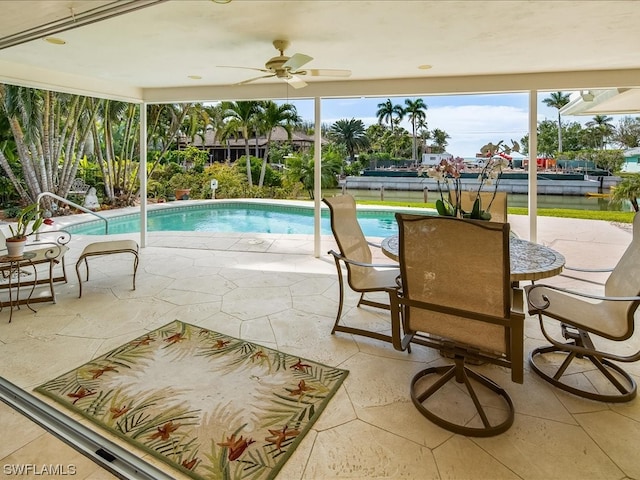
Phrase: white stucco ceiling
(473, 46)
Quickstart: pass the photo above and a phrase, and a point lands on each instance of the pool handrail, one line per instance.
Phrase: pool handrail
(74, 205)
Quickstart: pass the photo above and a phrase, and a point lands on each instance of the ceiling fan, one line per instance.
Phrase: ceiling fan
(289, 68)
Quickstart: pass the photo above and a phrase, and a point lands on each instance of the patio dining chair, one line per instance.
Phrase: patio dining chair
(363, 276)
(456, 296)
(608, 317)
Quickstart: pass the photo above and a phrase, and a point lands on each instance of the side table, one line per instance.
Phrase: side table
(10, 266)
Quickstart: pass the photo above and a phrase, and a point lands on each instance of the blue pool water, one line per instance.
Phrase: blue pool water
(237, 217)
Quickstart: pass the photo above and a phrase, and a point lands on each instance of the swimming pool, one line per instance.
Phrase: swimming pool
(237, 217)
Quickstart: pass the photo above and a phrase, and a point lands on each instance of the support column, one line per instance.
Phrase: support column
(533, 165)
(317, 179)
(142, 174)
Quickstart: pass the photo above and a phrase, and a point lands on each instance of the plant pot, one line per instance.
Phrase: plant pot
(182, 193)
(15, 247)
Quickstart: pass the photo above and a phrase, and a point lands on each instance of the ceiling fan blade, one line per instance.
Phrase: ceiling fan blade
(327, 72)
(296, 82)
(245, 68)
(254, 79)
(298, 60)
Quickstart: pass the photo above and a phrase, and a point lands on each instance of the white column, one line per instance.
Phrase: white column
(142, 174)
(533, 165)
(317, 179)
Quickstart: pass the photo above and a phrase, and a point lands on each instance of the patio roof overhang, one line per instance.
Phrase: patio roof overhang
(604, 102)
(169, 51)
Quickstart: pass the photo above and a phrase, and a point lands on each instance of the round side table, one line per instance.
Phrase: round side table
(11, 266)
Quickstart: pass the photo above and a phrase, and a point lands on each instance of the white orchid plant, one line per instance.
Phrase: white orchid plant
(447, 174)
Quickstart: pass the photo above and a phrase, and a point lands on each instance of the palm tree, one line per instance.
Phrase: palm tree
(440, 139)
(415, 109)
(386, 112)
(627, 189)
(603, 128)
(50, 131)
(351, 134)
(557, 100)
(423, 133)
(270, 116)
(240, 118)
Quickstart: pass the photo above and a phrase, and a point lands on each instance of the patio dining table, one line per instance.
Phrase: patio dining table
(529, 261)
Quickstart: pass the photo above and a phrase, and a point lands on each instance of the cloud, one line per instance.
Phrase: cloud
(473, 126)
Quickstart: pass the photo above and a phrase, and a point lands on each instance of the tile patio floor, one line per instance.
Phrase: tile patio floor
(269, 289)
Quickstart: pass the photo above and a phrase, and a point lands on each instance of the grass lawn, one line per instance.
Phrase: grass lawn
(622, 217)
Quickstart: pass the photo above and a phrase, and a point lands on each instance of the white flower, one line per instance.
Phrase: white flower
(435, 173)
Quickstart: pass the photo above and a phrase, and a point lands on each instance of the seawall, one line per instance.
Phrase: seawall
(521, 186)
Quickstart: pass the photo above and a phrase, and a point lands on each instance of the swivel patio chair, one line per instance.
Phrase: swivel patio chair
(581, 315)
(456, 297)
(355, 253)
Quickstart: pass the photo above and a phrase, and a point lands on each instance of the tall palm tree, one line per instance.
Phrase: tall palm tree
(423, 132)
(557, 100)
(270, 116)
(240, 118)
(351, 134)
(416, 111)
(387, 111)
(603, 128)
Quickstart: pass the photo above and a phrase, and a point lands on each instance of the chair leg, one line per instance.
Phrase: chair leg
(341, 299)
(337, 327)
(614, 374)
(461, 374)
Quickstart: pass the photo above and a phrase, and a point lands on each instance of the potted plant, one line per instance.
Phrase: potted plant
(181, 183)
(28, 222)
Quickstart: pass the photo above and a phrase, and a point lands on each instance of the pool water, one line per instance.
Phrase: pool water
(240, 218)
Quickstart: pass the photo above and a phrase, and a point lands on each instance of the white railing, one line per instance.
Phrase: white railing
(74, 205)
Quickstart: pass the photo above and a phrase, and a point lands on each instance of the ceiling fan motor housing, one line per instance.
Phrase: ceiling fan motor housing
(275, 65)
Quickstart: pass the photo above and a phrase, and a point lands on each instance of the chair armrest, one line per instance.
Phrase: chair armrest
(533, 308)
(361, 264)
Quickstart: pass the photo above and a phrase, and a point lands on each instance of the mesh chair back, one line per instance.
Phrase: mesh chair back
(463, 264)
(624, 280)
(348, 234)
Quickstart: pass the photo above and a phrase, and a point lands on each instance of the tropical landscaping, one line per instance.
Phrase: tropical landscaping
(50, 139)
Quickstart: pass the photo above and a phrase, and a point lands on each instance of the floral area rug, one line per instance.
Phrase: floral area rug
(211, 405)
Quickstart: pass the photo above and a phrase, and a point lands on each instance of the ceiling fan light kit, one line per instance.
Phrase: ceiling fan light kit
(289, 68)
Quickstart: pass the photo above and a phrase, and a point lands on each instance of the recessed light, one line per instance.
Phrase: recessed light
(195, 77)
(55, 40)
(425, 67)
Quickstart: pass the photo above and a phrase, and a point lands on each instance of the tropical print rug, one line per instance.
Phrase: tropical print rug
(211, 405)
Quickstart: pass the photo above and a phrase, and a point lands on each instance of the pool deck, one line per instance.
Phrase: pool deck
(271, 290)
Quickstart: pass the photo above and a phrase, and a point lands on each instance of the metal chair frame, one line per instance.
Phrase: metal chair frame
(381, 285)
(461, 353)
(605, 319)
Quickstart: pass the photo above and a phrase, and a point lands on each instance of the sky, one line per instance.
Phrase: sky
(471, 121)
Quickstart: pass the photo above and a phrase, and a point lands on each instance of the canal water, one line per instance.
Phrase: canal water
(569, 202)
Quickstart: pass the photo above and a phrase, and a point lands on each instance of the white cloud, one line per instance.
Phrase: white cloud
(473, 126)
